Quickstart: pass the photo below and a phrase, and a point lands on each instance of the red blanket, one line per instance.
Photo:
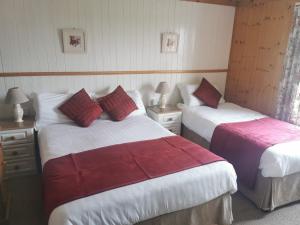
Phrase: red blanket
(79, 175)
(243, 144)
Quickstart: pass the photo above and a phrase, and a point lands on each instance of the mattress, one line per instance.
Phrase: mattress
(277, 161)
(138, 202)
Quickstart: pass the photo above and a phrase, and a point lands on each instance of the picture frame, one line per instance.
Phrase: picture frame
(73, 41)
(169, 43)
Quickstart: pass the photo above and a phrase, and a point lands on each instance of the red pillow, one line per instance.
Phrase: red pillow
(207, 93)
(81, 109)
(117, 104)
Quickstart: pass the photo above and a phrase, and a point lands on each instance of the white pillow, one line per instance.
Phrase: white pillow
(47, 112)
(186, 92)
(46, 108)
(136, 97)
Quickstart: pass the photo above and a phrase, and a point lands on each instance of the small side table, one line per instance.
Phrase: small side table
(170, 117)
(17, 140)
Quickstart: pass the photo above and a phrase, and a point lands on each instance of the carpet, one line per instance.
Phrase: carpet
(27, 208)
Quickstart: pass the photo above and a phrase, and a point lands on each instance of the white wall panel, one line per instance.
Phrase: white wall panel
(145, 83)
(1, 64)
(120, 35)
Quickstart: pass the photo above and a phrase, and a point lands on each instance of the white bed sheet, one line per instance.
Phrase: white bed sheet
(137, 202)
(277, 161)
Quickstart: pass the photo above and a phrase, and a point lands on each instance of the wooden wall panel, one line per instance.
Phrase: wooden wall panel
(258, 49)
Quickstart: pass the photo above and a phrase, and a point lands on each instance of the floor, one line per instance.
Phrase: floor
(27, 207)
(245, 213)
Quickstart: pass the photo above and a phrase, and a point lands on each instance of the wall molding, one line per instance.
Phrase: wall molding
(217, 2)
(107, 73)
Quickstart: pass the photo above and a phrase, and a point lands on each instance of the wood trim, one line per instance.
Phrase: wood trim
(251, 2)
(229, 2)
(97, 73)
(217, 2)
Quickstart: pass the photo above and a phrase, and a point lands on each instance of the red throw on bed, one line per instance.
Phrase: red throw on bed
(79, 175)
(243, 143)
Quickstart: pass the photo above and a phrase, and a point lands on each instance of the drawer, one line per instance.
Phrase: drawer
(174, 129)
(171, 118)
(13, 152)
(19, 167)
(16, 137)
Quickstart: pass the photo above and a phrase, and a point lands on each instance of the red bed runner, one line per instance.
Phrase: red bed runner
(79, 175)
(243, 143)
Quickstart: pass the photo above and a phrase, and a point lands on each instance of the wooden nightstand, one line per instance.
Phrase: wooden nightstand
(170, 117)
(17, 140)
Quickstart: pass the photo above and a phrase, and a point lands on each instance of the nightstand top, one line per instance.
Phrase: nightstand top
(168, 109)
(6, 125)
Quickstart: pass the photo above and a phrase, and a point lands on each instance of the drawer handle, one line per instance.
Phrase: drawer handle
(15, 153)
(11, 138)
(17, 167)
(170, 119)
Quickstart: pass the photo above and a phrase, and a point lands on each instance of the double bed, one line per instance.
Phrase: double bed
(277, 182)
(200, 195)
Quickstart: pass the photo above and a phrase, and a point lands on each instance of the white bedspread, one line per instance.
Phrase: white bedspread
(137, 202)
(277, 161)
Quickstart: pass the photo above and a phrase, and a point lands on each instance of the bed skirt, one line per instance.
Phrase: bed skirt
(269, 193)
(194, 137)
(217, 211)
(273, 192)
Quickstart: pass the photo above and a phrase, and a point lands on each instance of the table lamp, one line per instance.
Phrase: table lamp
(162, 89)
(15, 96)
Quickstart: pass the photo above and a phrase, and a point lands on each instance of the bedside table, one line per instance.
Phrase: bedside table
(17, 140)
(170, 117)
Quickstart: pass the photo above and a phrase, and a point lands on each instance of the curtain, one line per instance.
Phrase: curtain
(288, 108)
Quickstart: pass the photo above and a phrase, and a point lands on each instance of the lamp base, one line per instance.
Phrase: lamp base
(162, 101)
(18, 113)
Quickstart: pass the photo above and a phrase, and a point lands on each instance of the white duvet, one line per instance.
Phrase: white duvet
(277, 161)
(137, 202)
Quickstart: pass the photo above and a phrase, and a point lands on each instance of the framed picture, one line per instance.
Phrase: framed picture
(169, 43)
(73, 41)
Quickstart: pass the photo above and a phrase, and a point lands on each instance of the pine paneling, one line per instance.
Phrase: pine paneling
(259, 44)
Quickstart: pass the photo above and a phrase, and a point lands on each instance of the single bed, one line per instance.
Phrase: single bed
(278, 180)
(200, 195)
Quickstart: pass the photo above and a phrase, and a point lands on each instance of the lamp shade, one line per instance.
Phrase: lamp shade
(15, 96)
(163, 88)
